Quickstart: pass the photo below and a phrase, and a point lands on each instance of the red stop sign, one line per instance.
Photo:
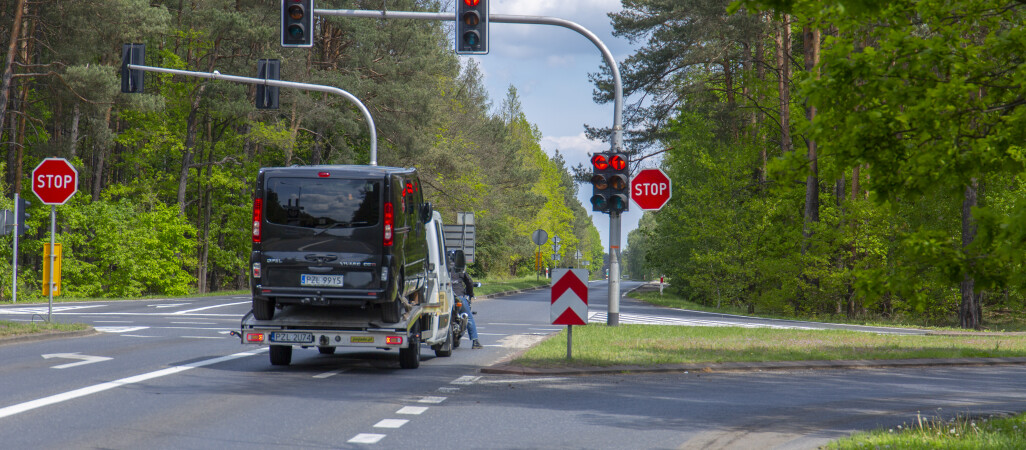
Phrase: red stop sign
(650, 189)
(54, 181)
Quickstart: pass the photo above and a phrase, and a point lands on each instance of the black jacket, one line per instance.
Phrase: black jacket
(462, 284)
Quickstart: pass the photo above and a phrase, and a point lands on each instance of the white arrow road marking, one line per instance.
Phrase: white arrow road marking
(85, 359)
(165, 305)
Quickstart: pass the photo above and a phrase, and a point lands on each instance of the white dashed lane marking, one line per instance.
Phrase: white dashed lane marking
(391, 423)
(431, 399)
(366, 438)
(414, 410)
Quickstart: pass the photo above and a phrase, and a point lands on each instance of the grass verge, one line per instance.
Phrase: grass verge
(492, 286)
(959, 433)
(647, 345)
(8, 328)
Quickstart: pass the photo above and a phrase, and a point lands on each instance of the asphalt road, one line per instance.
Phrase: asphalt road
(175, 379)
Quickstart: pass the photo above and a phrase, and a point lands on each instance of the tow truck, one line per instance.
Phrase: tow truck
(327, 329)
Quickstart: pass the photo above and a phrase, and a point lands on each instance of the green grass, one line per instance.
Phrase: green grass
(8, 328)
(959, 433)
(493, 285)
(647, 345)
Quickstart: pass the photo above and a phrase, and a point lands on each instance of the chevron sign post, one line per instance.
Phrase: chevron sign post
(569, 301)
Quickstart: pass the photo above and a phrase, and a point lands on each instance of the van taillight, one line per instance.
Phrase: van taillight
(389, 223)
(258, 217)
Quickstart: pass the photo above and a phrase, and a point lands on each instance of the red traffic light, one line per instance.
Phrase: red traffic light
(618, 162)
(599, 161)
(471, 3)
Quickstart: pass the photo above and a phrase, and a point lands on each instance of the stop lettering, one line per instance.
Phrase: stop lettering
(651, 189)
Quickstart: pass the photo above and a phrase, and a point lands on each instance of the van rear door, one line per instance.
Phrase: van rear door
(322, 232)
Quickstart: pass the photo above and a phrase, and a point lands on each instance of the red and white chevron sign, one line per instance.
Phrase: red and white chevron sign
(569, 297)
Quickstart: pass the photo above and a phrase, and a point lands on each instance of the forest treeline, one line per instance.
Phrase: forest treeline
(840, 157)
(165, 177)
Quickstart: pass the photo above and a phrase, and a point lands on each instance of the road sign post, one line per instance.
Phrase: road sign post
(54, 181)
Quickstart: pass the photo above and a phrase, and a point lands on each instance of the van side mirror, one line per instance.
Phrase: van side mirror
(426, 210)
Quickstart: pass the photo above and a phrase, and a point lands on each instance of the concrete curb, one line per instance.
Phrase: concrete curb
(750, 366)
(47, 336)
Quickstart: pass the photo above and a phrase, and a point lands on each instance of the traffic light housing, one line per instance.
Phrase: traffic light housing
(267, 96)
(132, 80)
(297, 23)
(610, 182)
(471, 27)
(21, 214)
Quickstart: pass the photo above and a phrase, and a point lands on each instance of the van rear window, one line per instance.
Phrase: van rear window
(322, 203)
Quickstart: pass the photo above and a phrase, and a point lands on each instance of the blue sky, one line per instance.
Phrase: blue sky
(549, 67)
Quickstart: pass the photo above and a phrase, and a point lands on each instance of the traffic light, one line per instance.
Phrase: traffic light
(609, 181)
(619, 185)
(21, 214)
(267, 96)
(132, 80)
(297, 23)
(471, 27)
(600, 182)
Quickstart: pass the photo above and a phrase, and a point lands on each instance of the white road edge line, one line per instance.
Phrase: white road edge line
(89, 390)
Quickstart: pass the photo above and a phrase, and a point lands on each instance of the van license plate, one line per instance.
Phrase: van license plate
(292, 338)
(320, 280)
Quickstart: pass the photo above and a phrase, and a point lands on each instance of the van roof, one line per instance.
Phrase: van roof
(341, 170)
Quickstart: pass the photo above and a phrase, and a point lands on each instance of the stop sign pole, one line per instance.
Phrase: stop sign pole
(54, 181)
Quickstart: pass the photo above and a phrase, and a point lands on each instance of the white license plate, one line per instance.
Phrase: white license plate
(292, 338)
(320, 280)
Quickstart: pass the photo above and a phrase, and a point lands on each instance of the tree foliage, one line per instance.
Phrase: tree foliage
(913, 128)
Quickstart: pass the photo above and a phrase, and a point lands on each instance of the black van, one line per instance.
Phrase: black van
(339, 236)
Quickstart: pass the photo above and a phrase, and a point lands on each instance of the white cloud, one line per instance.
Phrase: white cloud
(575, 149)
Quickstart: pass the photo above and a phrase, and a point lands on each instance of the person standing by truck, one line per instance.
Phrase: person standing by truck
(463, 287)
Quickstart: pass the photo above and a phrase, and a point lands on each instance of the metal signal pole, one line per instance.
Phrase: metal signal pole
(613, 317)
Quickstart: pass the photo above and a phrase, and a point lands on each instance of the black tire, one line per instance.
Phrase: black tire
(445, 350)
(263, 308)
(281, 355)
(326, 350)
(409, 357)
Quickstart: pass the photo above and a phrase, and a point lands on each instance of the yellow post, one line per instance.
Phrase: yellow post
(56, 269)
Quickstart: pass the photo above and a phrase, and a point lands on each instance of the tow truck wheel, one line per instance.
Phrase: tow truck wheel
(326, 350)
(409, 357)
(445, 350)
(281, 355)
(263, 308)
